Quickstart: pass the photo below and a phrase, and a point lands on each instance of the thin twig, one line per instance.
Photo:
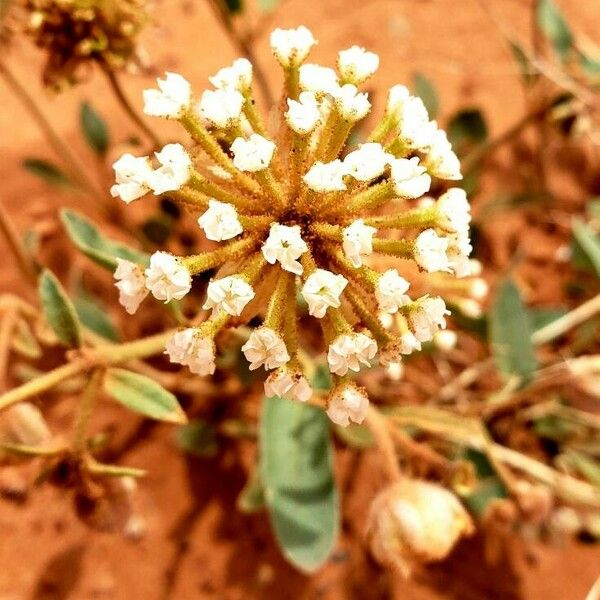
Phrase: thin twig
(16, 245)
(378, 425)
(7, 325)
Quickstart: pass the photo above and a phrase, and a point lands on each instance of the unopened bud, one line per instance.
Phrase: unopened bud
(395, 371)
(478, 288)
(24, 424)
(445, 339)
(470, 308)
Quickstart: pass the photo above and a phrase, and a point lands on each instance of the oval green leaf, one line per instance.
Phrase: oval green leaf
(296, 469)
(143, 395)
(59, 310)
(94, 128)
(555, 27)
(424, 88)
(47, 171)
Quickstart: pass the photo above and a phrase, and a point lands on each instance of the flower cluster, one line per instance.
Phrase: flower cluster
(299, 214)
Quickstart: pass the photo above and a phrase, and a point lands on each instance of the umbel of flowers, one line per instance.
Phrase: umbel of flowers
(295, 209)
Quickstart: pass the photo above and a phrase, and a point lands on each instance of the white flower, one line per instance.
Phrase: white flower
(265, 347)
(478, 288)
(357, 241)
(175, 169)
(303, 115)
(408, 343)
(253, 154)
(230, 294)
(367, 162)
(391, 291)
(430, 251)
(459, 249)
(409, 179)
(188, 348)
(351, 104)
(414, 128)
(349, 351)
(326, 177)
(166, 278)
(318, 79)
(222, 107)
(285, 245)
(291, 46)
(428, 318)
(347, 403)
(395, 371)
(456, 211)
(356, 64)
(238, 76)
(287, 384)
(441, 161)
(131, 284)
(445, 340)
(220, 221)
(321, 290)
(172, 98)
(131, 175)
(397, 96)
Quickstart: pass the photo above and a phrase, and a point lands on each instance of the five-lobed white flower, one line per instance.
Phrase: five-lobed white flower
(321, 290)
(287, 384)
(131, 176)
(430, 251)
(397, 96)
(172, 98)
(390, 291)
(349, 351)
(291, 46)
(238, 76)
(221, 107)
(367, 162)
(285, 245)
(357, 241)
(351, 104)
(166, 278)
(174, 172)
(326, 177)
(303, 115)
(318, 79)
(356, 64)
(408, 343)
(347, 403)
(220, 221)
(265, 347)
(441, 161)
(409, 178)
(230, 294)
(131, 283)
(455, 210)
(188, 348)
(253, 154)
(428, 318)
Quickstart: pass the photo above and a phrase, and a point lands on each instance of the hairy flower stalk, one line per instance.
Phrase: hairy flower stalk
(296, 213)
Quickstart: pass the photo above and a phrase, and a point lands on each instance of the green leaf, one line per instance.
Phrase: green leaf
(589, 65)
(234, 6)
(355, 436)
(94, 316)
(94, 129)
(510, 333)
(540, 317)
(296, 468)
(466, 128)
(424, 88)
(59, 310)
(94, 245)
(589, 242)
(527, 69)
(143, 395)
(551, 21)
(268, 5)
(197, 437)
(252, 498)
(47, 171)
(589, 468)
(24, 341)
(485, 491)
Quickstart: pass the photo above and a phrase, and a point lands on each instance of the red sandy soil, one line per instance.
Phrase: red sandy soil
(196, 545)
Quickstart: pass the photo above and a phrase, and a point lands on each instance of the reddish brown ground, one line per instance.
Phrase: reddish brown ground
(196, 544)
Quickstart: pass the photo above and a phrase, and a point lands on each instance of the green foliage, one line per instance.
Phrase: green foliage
(59, 310)
(49, 172)
(94, 316)
(268, 5)
(589, 243)
(510, 333)
(540, 317)
(143, 395)
(252, 497)
(355, 436)
(296, 468)
(24, 341)
(551, 21)
(94, 245)
(489, 486)
(198, 437)
(234, 6)
(94, 129)
(467, 128)
(525, 66)
(424, 88)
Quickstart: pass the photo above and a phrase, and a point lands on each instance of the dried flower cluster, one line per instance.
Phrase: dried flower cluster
(297, 211)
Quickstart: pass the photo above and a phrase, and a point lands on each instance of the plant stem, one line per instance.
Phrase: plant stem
(7, 325)
(16, 245)
(86, 406)
(378, 425)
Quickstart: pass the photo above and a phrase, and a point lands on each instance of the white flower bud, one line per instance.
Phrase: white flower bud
(351, 104)
(326, 177)
(321, 290)
(408, 343)
(409, 178)
(237, 77)
(171, 100)
(221, 107)
(303, 115)
(131, 176)
(428, 317)
(131, 283)
(166, 278)
(346, 403)
(455, 210)
(220, 221)
(459, 249)
(318, 79)
(395, 371)
(174, 172)
(367, 162)
(291, 46)
(230, 294)
(356, 65)
(24, 424)
(285, 245)
(391, 291)
(357, 241)
(253, 154)
(349, 351)
(288, 384)
(189, 348)
(397, 96)
(430, 251)
(445, 340)
(441, 161)
(265, 347)
(414, 129)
